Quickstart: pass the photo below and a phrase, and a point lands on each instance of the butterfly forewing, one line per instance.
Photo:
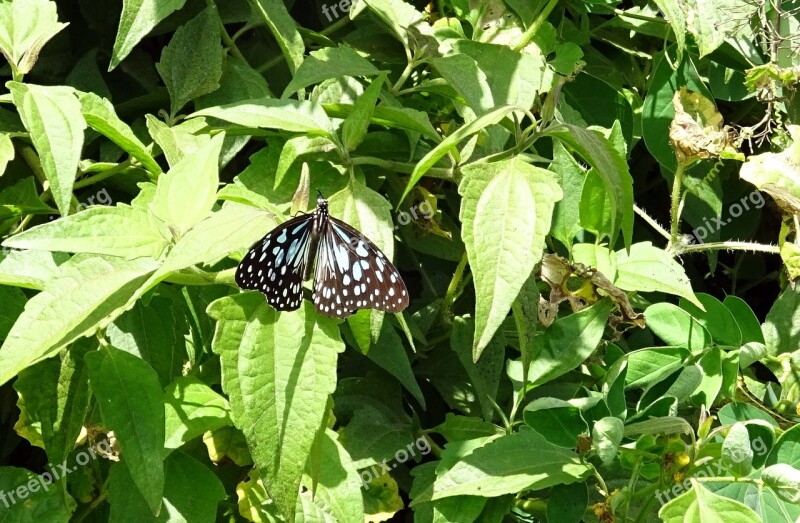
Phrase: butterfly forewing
(276, 264)
(352, 273)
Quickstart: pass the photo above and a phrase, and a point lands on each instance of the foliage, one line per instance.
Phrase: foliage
(565, 356)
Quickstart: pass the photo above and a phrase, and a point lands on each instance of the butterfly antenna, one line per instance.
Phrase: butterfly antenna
(320, 194)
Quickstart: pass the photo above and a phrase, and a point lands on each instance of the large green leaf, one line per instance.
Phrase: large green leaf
(131, 403)
(55, 393)
(99, 113)
(568, 342)
(777, 173)
(676, 326)
(612, 169)
(192, 409)
(138, 18)
(191, 65)
(40, 504)
(52, 116)
(278, 370)
(125, 231)
(520, 461)
(329, 62)
(192, 492)
(85, 291)
(701, 505)
(283, 28)
(197, 175)
(268, 113)
(646, 268)
(29, 269)
(506, 214)
(25, 27)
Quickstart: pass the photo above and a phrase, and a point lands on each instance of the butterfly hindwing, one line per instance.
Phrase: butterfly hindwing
(352, 273)
(275, 265)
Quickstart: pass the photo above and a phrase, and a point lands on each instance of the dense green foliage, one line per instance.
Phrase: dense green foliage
(603, 322)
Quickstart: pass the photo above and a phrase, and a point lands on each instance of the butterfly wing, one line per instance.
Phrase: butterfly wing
(352, 273)
(275, 265)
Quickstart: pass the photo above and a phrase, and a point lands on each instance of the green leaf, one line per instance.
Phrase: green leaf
(460, 428)
(777, 173)
(646, 268)
(25, 27)
(197, 175)
(706, 22)
(673, 12)
(338, 484)
(6, 152)
(397, 15)
(39, 503)
(373, 437)
(463, 74)
(283, 28)
(192, 492)
(278, 371)
(391, 356)
(56, 396)
(22, 198)
(520, 461)
(191, 65)
(606, 437)
(239, 82)
(298, 116)
(99, 113)
(570, 176)
(485, 373)
(648, 366)
(329, 62)
(448, 144)
(393, 117)
(152, 332)
(716, 318)
(355, 125)
(192, 409)
(132, 405)
(559, 421)
(737, 454)
(700, 505)
(236, 226)
(568, 342)
(52, 116)
(138, 18)
(178, 141)
(29, 269)
(784, 480)
(567, 503)
(128, 232)
(676, 326)
(781, 327)
(85, 291)
(601, 104)
(612, 168)
(513, 77)
(506, 215)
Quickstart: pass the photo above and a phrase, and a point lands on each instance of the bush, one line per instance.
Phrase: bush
(593, 206)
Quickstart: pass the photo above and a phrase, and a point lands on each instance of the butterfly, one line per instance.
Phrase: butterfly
(350, 272)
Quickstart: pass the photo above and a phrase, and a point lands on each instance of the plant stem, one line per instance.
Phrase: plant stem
(534, 27)
(406, 168)
(728, 245)
(677, 185)
(654, 224)
(226, 39)
(196, 276)
(108, 173)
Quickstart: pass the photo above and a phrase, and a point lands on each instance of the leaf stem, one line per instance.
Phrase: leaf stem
(108, 173)
(534, 27)
(405, 168)
(223, 32)
(195, 276)
(675, 208)
(727, 245)
(654, 224)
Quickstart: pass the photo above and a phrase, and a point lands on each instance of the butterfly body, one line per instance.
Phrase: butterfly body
(350, 272)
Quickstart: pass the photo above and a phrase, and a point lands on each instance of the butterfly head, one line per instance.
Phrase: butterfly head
(322, 203)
